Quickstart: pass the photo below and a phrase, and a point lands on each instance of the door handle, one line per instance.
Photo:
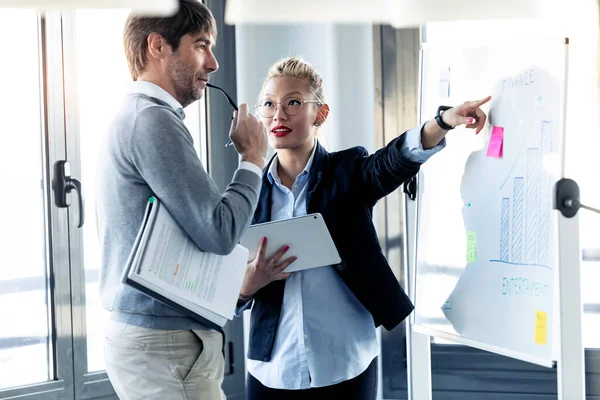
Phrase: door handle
(63, 184)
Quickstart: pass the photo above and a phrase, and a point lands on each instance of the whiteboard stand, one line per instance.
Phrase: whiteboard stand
(419, 365)
(570, 365)
(418, 345)
(590, 254)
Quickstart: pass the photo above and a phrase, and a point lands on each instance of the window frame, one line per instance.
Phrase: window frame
(60, 383)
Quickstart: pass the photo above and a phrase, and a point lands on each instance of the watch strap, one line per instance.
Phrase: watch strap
(440, 121)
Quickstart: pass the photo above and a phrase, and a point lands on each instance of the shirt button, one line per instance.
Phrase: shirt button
(307, 349)
(305, 336)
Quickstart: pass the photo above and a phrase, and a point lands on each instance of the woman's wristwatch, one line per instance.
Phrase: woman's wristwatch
(440, 121)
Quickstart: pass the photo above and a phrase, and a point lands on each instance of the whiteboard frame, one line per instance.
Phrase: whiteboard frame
(484, 346)
(570, 362)
(549, 362)
(571, 368)
(418, 346)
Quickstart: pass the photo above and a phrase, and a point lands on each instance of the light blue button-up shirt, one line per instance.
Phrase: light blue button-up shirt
(325, 335)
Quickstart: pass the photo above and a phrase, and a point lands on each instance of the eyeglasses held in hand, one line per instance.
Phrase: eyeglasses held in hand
(229, 100)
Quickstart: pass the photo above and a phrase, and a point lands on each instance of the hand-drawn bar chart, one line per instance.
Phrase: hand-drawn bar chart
(524, 217)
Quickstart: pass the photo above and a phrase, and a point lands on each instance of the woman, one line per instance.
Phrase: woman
(313, 331)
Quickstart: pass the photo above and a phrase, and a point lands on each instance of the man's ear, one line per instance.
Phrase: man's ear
(322, 115)
(156, 46)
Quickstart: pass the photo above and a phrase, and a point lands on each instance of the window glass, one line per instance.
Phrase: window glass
(24, 328)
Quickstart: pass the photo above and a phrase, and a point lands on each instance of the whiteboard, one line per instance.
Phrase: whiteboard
(486, 257)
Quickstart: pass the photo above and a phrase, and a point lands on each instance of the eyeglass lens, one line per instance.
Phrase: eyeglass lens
(267, 108)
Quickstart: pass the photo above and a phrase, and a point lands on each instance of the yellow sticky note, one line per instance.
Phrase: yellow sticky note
(540, 327)
(471, 246)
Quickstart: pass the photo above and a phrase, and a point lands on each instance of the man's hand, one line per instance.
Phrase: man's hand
(249, 136)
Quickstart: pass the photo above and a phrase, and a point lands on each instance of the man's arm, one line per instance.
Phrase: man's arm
(162, 150)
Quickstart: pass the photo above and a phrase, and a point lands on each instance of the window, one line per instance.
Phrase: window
(25, 346)
(62, 86)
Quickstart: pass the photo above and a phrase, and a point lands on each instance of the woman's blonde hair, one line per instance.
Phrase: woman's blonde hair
(296, 67)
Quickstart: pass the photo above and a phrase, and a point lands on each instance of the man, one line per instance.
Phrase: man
(151, 350)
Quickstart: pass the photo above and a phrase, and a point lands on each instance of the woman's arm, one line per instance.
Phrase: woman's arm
(384, 171)
(467, 113)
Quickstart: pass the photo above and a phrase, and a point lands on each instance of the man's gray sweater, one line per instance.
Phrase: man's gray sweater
(148, 151)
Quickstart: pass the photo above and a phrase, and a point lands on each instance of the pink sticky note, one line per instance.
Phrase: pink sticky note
(496, 140)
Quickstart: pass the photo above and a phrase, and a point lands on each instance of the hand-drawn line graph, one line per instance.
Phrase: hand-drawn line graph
(538, 103)
(504, 228)
(524, 224)
(545, 198)
(532, 201)
(517, 238)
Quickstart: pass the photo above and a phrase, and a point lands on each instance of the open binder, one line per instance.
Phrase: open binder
(166, 264)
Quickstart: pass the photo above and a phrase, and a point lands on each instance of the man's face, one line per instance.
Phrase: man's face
(189, 67)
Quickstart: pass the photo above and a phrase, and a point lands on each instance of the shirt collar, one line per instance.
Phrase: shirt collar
(153, 90)
(274, 177)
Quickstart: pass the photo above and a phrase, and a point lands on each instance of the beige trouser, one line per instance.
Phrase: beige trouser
(150, 364)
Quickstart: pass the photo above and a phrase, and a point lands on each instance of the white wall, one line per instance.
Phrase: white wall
(342, 54)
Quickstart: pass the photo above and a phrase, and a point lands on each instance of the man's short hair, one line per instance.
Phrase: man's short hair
(193, 17)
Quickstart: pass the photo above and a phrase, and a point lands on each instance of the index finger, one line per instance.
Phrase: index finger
(234, 119)
(478, 103)
(243, 110)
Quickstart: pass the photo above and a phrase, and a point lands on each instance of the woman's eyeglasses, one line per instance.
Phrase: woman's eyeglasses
(268, 108)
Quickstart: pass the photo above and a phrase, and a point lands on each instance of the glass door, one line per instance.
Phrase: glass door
(62, 84)
(35, 333)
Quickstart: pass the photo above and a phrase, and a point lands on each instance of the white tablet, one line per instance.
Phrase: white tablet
(307, 236)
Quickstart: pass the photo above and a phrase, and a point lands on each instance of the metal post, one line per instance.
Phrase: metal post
(418, 345)
(419, 365)
(570, 365)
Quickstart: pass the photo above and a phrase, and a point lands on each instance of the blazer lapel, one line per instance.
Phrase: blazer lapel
(315, 175)
(263, 210)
